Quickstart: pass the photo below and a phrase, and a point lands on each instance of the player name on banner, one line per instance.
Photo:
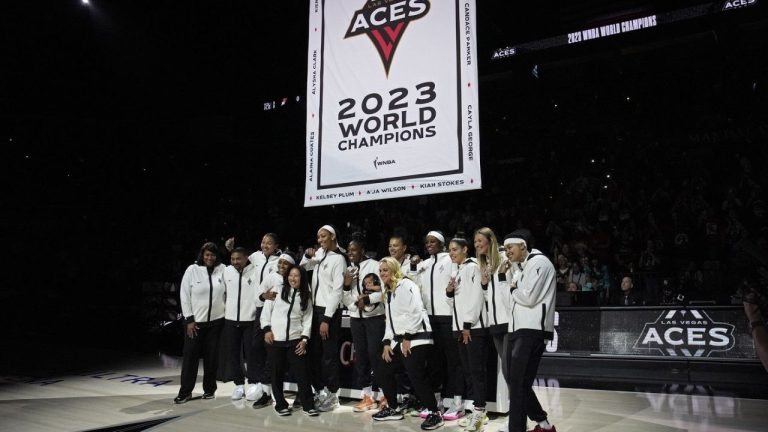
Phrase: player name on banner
(392, 100)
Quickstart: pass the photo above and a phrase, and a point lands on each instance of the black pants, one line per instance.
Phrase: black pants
(282, 355)
(445, 361)
(205, 345)
(523, 357)
(237, 345)
(324, 354)
(474, 358)
(260, 372)
(367, 334)
(499, 342)
(415, 365)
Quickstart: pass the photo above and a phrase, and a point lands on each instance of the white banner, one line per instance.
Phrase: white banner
(392, 99)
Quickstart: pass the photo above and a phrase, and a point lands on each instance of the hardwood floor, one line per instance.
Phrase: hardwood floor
(140, 389)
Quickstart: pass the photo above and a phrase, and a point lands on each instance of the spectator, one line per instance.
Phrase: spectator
(590, 285)
(577, 275)
(563, 272)
(601, 274)
(669, 296)
(628, 297)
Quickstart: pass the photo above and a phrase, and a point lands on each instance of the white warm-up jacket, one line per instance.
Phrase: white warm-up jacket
(327, 283)
(202, 294)
(285, 319)
(468, 300)
(532, 300)
(350, 296)
(241, 293)
(406, 317)
(497, 299)
(434, 274)
(263, 267)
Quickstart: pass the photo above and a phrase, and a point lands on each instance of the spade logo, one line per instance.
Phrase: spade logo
(384, 21)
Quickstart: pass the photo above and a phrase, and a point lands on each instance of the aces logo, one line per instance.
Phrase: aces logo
(384, 21)
(686, 333)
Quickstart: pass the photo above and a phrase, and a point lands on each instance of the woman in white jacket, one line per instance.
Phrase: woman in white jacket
(407, 344)
(202, 304)
(433, 275)
(398, 249)
(493, 270)
(533, 282)
(264, 262)
(328, 265)
(366, 319)
(287, 324)
(470, 327)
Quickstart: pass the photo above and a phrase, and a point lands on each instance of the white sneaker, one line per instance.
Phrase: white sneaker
(477, 421)
(320, 397)
(330, 402)
(464, 422)
(254, 392)
(238, 393)
(454, 412)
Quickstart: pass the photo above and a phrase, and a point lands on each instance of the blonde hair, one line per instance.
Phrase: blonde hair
(493, 259)
(396, 274)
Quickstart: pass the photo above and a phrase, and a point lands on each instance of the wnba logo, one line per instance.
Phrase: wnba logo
(377, 162)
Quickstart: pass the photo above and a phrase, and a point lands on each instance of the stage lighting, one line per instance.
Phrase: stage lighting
(86, 2)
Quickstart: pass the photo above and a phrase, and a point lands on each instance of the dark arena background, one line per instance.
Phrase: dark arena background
(629, 136)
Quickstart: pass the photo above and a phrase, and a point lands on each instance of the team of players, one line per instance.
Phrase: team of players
(420, 327)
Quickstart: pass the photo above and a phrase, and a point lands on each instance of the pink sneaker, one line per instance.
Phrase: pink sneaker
(454, 413)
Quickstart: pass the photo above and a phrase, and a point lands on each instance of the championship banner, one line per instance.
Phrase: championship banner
(392, 100)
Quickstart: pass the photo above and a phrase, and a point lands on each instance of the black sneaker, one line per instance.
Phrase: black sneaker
(388, 413)
(265, 401)
(311, 412)
(410, 406)
(209, 395)
(417, 412)
(180, 399)
(283, 411)
(433, 421)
